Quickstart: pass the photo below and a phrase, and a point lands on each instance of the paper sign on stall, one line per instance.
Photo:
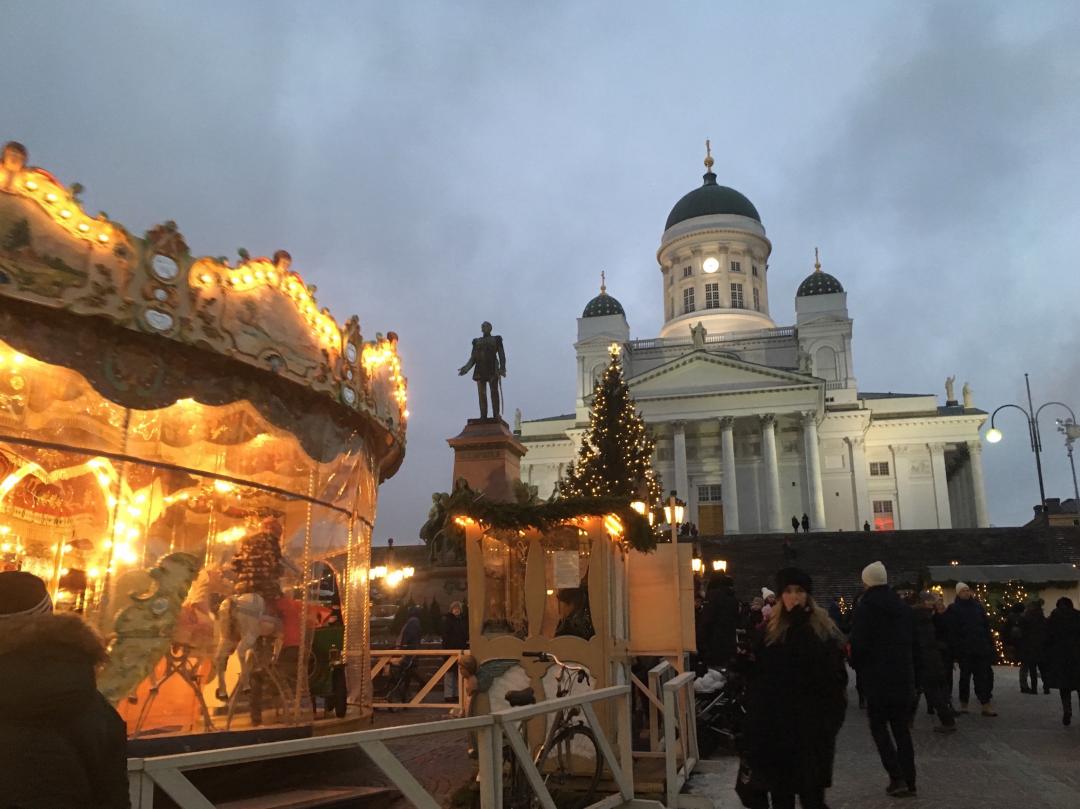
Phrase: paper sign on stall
(567, 570)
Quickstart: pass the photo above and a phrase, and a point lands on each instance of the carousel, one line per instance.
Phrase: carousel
(190, 455)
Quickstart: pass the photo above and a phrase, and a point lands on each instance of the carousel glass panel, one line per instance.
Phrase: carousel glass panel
(505, 554)
(193, 538)
(567, 551)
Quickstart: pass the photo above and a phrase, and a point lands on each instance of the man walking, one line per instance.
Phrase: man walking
(881, 652)
(1032, 643)
(930, 661)
(973, 648)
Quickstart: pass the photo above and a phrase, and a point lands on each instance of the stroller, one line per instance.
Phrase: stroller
(720, 711)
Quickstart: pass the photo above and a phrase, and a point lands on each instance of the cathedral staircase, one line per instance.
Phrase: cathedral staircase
(835, 559)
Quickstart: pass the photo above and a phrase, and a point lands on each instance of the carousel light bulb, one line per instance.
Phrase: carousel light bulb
(31, 185)
(103, 237)
(66, 214)
(205, 278)
(18, 359)
(5, 547)
(248, 278)
(93, 573)
(5, 529)
(51, 197)
(83, 227)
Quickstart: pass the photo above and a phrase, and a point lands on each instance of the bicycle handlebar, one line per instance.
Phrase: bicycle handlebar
(546, 657)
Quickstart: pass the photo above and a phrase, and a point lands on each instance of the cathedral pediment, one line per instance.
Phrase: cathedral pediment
(700, 373)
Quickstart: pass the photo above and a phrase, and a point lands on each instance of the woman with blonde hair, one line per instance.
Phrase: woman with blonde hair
(796, 697)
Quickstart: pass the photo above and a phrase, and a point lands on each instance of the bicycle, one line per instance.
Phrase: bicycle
(568, 737)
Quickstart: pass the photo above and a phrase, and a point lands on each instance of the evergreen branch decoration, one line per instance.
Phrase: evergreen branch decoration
(464, 502)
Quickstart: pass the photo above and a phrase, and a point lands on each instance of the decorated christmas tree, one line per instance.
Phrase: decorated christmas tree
(616, 451)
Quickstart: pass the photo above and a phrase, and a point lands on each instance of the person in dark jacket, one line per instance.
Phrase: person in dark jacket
(941, 631)
(972, 646)
(718, 623)
(61, 743)
(930, 657)
(796, 698)
(1013, 633)
(1062, 654)
(881, 651)
(455, 635)
(1032, 641)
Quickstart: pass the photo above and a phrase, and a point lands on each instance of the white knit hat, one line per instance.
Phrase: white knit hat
(766, 592)
(874, 575)
(961, 586)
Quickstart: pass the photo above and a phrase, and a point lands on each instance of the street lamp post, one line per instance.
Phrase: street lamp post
(994, 435)
(1072, 431)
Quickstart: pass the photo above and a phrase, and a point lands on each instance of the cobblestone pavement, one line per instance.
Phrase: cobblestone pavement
(1022, 759)
(440, 762)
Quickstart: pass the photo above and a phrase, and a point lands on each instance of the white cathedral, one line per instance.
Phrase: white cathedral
(757, 423)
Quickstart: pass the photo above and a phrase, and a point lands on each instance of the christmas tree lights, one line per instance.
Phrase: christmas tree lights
(616, 452)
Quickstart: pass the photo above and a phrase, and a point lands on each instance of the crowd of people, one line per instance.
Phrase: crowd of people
(903, 646)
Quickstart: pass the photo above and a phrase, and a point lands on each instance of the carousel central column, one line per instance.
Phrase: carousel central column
(772, 471)
(729, 491)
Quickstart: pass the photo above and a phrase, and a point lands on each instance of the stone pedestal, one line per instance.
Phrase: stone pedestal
(488, 456)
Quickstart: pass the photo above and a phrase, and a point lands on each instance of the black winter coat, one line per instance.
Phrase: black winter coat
(455, 634)
(929, 652)
(881, 646)
(795, 704)
(969, 630)
(717, 625)
(1033, 635)
(61, 743)
(1061, 656)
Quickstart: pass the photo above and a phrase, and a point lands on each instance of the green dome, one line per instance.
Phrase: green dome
(818, 283)
(603, 305)
(711, 199)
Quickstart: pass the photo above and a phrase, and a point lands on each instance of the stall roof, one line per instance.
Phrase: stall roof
(1002, 573)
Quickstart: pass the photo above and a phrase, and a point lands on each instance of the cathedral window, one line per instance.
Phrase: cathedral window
(709, 493)
(712, 296)
(879, 469)
(687, 271)
(688, 300)
(736, 266)
(883, 515)
(753, 269)
(671, 278)
(737, 297)
(757, 299)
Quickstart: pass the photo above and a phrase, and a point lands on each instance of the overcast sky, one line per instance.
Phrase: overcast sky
(430, 165)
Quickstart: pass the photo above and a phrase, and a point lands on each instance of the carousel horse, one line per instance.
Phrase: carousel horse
(242, 620)
(143, 631)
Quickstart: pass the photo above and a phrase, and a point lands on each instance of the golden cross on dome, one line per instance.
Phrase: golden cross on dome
(708, 155)
(817, 261)
(603, 283)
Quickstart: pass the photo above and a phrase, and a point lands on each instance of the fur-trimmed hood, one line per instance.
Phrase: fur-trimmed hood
(35, 632)
(47, 667)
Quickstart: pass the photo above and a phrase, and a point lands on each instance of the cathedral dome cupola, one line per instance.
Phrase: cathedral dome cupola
(603, 304)
(711, 199)
(818, 282)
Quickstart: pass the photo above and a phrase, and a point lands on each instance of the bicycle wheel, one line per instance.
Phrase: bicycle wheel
(570, 789)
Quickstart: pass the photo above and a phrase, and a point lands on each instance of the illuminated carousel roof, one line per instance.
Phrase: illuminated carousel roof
(148, 323)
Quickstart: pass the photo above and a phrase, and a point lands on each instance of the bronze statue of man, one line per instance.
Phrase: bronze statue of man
(488, 361)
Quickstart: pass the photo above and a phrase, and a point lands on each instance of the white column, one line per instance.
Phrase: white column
(859, 470)
(941, 485)
(682, 484)
(813, 472)
(729, 489)
(900, 476)
(982, 518)
(772, 472)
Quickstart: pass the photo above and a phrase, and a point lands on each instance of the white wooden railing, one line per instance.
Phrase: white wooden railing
(680, 735)
(168, 772)
(381, 665)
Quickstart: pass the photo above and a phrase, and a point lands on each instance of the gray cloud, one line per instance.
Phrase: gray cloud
(430, 165)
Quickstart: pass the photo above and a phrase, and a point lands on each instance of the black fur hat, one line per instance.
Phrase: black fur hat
(793, 575)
